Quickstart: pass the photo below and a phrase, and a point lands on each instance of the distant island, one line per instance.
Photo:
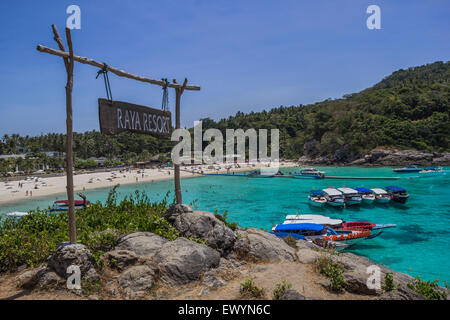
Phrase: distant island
(408, 110)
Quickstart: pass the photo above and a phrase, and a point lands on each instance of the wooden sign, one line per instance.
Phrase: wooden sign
(117, 116)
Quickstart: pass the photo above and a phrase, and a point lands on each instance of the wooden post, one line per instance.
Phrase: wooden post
(68, 63)
(178, 93)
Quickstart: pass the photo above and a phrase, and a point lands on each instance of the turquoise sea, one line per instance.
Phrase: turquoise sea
(420, 245)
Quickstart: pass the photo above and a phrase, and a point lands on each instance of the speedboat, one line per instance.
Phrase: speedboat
(17, 214)
(309, 173)
(381, 196)
(367, 195)
(411, 168)
(317, 198)
(432, 171)
(313, 218)
(398, 194)
(63, 205)
(312, 232)
(260, 174)
(351, 196)
(334, 197)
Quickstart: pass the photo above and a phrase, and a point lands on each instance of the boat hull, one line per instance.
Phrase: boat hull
(300, 176)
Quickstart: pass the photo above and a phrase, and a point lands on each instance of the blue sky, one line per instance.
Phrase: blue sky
(246, 55)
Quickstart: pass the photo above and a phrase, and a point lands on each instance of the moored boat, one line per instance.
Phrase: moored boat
(351, 196)
(411, 168)
(334, 197)
(381, 196)
(312, 218)
(260, 174)
(63, 205)
(432, 171)
(397, 194)
(317, 198)
(17, 214)
(309, 173)
(367, 195)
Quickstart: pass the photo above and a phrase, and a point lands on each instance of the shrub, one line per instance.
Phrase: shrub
(34, 237)
(429, 289)
(280, 289)
(249, 289)
(388, 284)
(333, 271)
(224, 219)
(290, 241)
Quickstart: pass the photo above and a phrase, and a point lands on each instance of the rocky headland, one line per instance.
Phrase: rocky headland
(208, 261)
(378, 157)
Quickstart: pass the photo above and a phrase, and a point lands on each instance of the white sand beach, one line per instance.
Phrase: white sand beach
(33, 187)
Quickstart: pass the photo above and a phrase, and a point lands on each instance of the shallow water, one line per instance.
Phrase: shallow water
(420, 245)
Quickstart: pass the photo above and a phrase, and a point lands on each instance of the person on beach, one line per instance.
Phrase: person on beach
(31, 193)
(26, 193)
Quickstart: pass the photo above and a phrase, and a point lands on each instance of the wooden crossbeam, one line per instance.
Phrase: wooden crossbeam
(116, 71)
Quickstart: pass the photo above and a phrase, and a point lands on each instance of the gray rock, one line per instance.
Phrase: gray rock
(204, 225)
(308, 256)
(121, 259)
(48, 278)
(291, 294)
(324, 283)
(92, 275)
(141, 243)
(137, 279)
(211, 280)
(28, 279)
(402, 293)
(204, 292)
(42, 278)
(71, 254)
(258, 245)
(175, 210)
(182, 261)
(357, 283)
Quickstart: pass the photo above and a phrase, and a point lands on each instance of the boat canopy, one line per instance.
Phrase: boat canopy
(347, 190)
(299, 227)
(315, 192)
(332, 192)
(395, 189)
(363, 190)
(379, 191)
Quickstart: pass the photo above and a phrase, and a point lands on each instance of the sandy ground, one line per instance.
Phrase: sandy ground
(11, 192)
(303, 278)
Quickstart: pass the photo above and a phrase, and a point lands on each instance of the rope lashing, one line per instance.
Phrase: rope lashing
(104, 71)
(165, 98)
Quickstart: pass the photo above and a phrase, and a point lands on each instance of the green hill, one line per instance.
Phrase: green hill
(408, 110)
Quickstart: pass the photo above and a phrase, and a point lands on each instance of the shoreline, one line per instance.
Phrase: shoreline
(11, 193)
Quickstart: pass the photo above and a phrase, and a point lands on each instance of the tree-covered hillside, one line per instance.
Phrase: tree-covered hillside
(408, 110)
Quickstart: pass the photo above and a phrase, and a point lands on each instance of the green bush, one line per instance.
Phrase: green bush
(224, 219)
(333, 271)
(290, 241)
(429, 289)
(250, 290)
(388, 284)
(280, 290)
(33, 238)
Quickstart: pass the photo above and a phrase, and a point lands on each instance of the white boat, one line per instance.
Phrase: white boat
(367, 195)
(381, 196)
(334, 197)
(432, 171)
(17, 214)
(309, 173)
(317, 198)
(311, 218)
(351, 196)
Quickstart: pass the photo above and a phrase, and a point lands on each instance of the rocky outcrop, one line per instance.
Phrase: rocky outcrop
(141, 243)
(43, 278)
(137, 279)
(182, 261)
(291, 294)
(257, 245)
(71, 254)
(120, 259)
(204, 225)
